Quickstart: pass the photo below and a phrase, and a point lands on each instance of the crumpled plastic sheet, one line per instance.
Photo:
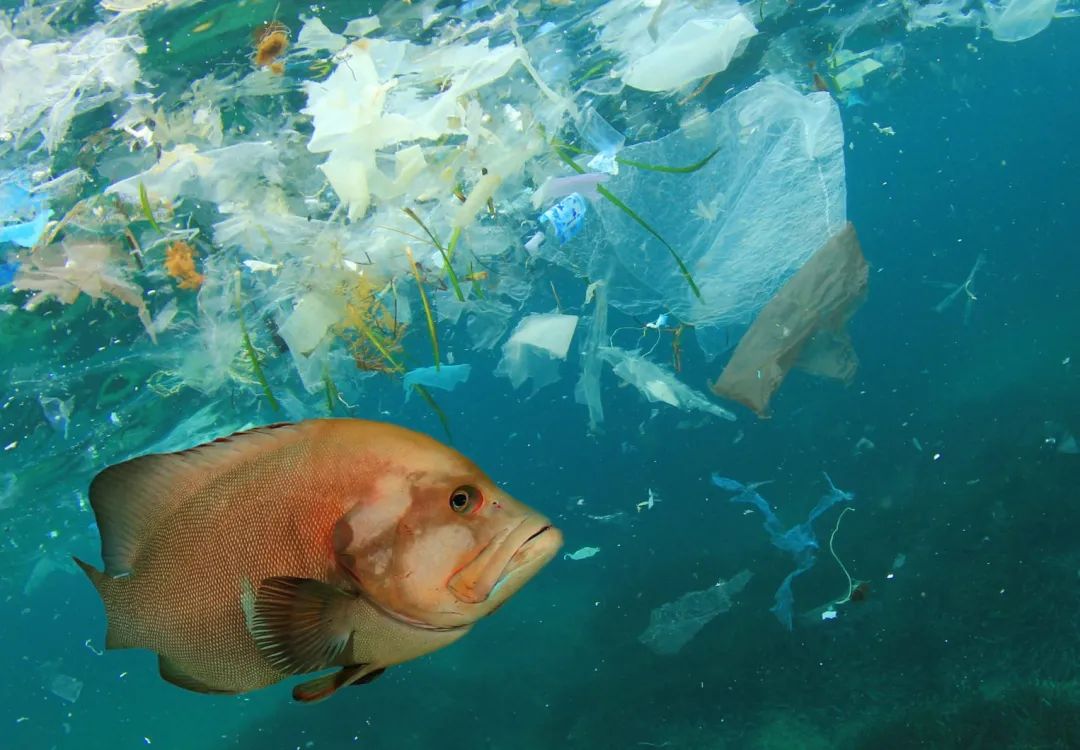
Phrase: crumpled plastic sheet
(657, 384)
(772, 194)
(219, 175)
(536, 347)
(49, 83)
(803, 326)
(673, 625)
(798, 541)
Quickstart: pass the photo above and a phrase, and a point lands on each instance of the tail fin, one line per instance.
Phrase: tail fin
(106, 588)
(96, 576)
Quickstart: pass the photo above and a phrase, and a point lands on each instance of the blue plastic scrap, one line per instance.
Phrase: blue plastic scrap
(799, 541)
(16, 202)
(27, 233)
(446, 377)
(7, 273)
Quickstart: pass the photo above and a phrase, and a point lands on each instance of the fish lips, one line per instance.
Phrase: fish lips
(507, 562)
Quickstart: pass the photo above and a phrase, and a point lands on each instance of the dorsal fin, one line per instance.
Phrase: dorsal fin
(130, 497)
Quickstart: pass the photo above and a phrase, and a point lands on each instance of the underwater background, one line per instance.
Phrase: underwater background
(954, 439)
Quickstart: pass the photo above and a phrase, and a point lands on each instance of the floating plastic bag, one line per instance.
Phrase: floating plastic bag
(535, 348)
(770, 195)
(1016, 20)
(673, 625)
(669, 44)
(802, 326)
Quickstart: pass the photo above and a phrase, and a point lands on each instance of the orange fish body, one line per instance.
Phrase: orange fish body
(294, 548)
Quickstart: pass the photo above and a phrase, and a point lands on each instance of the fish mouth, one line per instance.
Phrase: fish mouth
(524, 547)
(515, 557)
(531, 555)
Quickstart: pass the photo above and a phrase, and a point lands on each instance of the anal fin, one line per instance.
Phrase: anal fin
(323, 687)
(172, 673)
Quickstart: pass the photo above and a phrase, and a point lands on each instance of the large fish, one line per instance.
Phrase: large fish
(299, 547)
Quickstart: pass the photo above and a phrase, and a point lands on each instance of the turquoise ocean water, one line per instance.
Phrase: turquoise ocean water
(955, 438)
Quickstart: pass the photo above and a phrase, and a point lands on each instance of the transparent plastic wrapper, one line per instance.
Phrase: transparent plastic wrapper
(802, 326)
(66, 687)
(673, 625)
(944, 13)
(669, 44)
(588, 391)
(536, 347)
(219, 175)
(657, 384)
(771, 193)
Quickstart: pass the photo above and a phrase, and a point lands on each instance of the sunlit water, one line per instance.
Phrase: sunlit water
(955, 438)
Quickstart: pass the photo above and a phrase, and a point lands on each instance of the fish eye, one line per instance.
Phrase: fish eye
(465, 499)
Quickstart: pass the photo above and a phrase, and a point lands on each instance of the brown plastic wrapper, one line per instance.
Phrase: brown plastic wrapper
(802, 326)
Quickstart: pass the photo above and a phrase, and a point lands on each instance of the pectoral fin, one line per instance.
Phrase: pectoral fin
(323, 687)
(300, 624)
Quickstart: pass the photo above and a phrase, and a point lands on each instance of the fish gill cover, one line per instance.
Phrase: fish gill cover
(216, 215)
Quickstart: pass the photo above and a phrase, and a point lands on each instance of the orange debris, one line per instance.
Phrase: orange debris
(180, 264)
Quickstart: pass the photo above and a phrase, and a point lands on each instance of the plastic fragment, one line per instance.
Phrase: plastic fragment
(582, 554)
(66, 687)
(57, 412)
(852, 77)
(27, 233)
(315, 36)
